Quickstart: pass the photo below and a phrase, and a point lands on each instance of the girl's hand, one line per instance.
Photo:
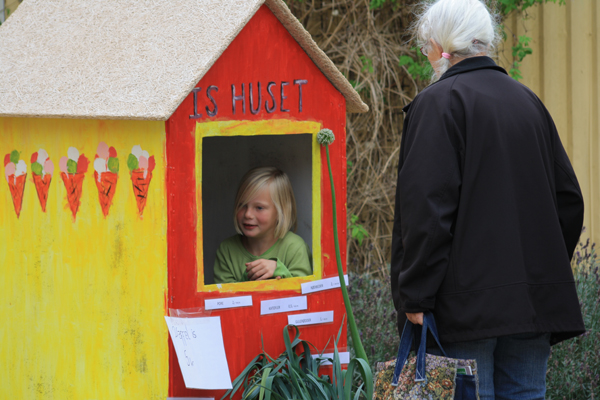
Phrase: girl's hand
(260, 270)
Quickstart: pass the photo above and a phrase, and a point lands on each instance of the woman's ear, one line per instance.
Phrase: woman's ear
(436, 49)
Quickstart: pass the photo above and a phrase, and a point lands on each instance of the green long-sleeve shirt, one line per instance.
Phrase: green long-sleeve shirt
(291, 253)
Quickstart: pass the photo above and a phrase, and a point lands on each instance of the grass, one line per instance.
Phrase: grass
(573, 367)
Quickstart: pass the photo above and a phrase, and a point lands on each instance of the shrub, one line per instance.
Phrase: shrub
(574, 365)
(375, 316)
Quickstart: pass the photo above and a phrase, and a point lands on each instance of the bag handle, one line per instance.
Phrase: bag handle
(412, 332)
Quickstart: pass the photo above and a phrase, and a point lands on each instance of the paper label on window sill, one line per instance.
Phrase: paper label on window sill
(322, 317)
(227, 302)
(323, 284)
(287, 304)
(344, 357)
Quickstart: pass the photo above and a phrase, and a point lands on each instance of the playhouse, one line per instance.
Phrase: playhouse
(124, 132)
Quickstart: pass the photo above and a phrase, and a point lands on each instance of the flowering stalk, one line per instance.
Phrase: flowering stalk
(325, 137)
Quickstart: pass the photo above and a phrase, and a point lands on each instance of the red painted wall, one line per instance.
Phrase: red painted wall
(263, 52)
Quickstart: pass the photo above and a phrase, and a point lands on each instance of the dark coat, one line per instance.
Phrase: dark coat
(488, 210)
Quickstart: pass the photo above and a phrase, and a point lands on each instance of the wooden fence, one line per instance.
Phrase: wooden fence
(564, 72)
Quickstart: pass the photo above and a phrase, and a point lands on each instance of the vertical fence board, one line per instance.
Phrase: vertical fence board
(581, 84)
(595, 126)
(532, 68)
(564, 72)
(556, 69)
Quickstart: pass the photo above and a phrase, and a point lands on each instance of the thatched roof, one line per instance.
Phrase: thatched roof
(132, 59)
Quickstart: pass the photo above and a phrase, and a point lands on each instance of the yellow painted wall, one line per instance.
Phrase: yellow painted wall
(82, 302)
(564, 71)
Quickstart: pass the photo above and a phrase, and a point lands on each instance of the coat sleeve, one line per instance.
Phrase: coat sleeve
(428, 189)
(568, 198)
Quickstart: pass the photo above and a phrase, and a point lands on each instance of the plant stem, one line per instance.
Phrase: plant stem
(358, 347)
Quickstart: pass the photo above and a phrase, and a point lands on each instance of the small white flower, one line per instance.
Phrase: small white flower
(325, 137)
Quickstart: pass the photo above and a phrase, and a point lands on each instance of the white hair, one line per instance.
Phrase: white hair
(463, 28)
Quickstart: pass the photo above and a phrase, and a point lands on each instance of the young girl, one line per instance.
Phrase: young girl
(265, 247)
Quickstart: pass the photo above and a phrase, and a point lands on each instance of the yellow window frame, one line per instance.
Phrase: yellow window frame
(256, 128)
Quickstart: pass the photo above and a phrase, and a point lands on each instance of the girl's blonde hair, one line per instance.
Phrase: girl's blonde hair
(281, 192)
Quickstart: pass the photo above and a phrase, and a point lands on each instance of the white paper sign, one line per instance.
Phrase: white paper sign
(344, 357)
(200, 351)
(287, 304)
(322, 317)
(227, 302)
(323, 284)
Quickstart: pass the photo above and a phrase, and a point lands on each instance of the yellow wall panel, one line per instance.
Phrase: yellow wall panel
(564, 72)
(82, 301)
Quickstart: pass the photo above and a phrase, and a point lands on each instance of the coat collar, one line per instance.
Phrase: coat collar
(472, 64)
(466, 65)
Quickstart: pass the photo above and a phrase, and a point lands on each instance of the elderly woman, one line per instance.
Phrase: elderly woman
(488, 210)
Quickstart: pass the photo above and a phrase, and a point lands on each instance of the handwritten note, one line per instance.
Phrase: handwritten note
(200, 351)
(344, 357)
(227, 302)
(311, 318)
(287, 304)
(323, 284)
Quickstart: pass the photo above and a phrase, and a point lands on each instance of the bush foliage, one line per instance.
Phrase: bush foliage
(573, 367)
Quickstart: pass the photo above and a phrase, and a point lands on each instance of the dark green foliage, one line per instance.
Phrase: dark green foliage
(574, 365)
(295, 375)
(357, 231)
(519, 52)
(418, 67)
(375, 317)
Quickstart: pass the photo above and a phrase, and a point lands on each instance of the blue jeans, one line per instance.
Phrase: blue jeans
(509, 367)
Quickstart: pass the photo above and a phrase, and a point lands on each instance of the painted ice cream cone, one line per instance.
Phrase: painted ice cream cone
(107, 185)
(42, 186)
(141, 182)
(72, 172)
(15, 171)
(42, 169)
(106, 170)
(16, 184)
(74, 186)
(141, 164)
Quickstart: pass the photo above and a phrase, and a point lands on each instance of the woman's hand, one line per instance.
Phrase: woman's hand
(415, 318)
(260, 270)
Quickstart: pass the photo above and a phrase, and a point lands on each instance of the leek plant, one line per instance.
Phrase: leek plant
(325, 137)
(295, 375)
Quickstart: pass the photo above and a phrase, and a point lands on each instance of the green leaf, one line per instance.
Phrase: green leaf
(37, 168)
(367, 64)
(265, 376)
(132, 162)
(14, 157)
(113, 165)
(71, 166)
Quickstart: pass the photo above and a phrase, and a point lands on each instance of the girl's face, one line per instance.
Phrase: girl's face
(258, 218)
